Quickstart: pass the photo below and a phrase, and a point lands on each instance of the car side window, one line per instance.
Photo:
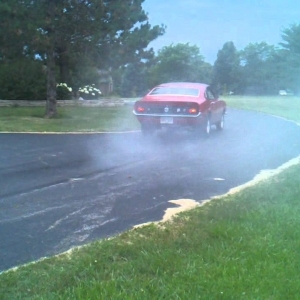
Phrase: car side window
(209, 95)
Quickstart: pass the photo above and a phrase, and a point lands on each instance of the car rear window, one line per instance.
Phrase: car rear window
(175, 91)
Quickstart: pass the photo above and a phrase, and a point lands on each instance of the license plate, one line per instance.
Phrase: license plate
(166, 120)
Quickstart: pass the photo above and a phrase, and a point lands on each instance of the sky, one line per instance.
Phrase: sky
(210, 24)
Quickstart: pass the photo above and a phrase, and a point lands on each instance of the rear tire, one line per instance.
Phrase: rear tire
(220, 124)
(207, 127)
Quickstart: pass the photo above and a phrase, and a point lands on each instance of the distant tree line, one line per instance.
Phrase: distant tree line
(48, 42)
(258, 69)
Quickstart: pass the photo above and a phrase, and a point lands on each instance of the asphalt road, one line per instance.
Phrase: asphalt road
(62, 190)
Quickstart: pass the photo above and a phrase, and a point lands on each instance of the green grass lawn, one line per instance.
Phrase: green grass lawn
(284, 106)
(70, 119)
(241, 246)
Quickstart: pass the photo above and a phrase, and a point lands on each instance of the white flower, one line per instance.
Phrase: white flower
(90, 89)
(62, 84)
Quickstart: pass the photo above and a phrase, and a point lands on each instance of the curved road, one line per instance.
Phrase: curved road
(62, 190)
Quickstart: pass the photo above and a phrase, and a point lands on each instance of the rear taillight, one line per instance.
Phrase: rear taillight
(140, 109)
(193, 110)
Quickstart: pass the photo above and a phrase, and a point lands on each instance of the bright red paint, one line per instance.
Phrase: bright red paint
(180, 104)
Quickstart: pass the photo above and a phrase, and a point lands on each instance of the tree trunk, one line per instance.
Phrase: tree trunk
(51, 110)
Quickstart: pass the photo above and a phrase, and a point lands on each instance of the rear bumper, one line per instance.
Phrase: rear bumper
(176, 120)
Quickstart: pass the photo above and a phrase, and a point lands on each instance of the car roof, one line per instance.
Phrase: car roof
(183, 83)
(200, 86)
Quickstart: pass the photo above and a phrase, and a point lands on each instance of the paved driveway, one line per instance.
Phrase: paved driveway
(62, 190)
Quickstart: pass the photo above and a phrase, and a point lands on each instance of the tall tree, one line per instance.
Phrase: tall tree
(179, 62)
(261, 68)
(291, 56)
(12, 31)
(291, 38)
(226, 69)
(62, 32)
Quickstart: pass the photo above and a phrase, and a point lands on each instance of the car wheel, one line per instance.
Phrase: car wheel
(207, 127)
(220, 124)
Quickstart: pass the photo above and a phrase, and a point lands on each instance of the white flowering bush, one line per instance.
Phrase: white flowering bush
(63, 91)
(89, 92)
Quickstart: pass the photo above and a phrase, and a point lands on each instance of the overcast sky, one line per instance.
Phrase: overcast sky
(209, 24)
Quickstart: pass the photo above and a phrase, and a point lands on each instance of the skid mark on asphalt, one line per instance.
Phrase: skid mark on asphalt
(36, 213)
(54, 184)
(83, 233)
(188, 204)
(58, 222)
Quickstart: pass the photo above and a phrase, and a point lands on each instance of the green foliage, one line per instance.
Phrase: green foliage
(180, 62)
(63, 91)
(22, 79)
(76, 39)
(134, 80)
(266, 69)
(13, 33)
(291, 38)
(75, 36)
(262, 69)
(291, 56)
(82, 72)
(226, 70)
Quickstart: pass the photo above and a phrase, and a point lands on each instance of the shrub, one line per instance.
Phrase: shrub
(63, 91)
(22, 80)
(89, 92)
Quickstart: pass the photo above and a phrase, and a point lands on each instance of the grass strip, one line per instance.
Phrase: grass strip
(69, 119)
(287, 107)
(121, 118)
(242, 246)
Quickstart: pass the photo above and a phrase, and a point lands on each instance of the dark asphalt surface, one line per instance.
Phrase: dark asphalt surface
(62, 190)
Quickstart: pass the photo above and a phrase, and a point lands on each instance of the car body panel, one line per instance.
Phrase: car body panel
(179, 104)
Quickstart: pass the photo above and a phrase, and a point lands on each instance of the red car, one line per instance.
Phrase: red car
(180, 104)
